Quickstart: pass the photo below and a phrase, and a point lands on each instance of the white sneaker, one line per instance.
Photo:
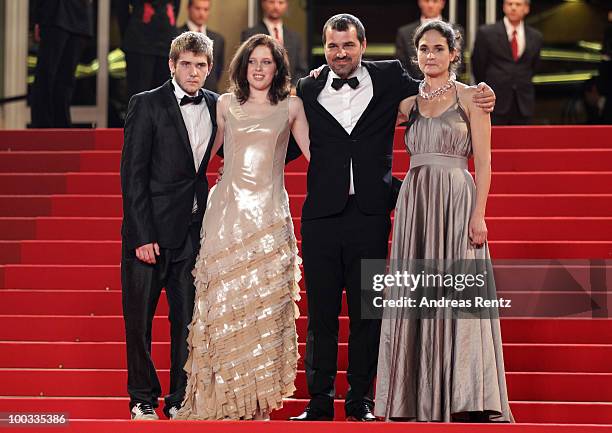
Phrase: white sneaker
(173, 411)
(143, 411)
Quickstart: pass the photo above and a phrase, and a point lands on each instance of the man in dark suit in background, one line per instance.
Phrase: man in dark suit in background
(169, 133)
(63, 27)
(506, 55)
(147, 28)
(199, 10)
(404, 44)
(272, 24)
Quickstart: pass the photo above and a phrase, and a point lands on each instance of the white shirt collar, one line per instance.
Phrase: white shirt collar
(520, 29)
(195, 28)
(426, 20)
(270, 25)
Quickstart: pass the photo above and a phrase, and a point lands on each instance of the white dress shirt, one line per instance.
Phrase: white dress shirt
(520, 34)
(270, 25)
(196, 28)
(426, 20)
(347, 105)
(199, 127)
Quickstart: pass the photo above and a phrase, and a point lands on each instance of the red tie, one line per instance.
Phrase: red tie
(514, 46)
(277, 35)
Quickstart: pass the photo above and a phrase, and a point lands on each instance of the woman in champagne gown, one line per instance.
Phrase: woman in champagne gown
(441, 367)
(242, 339)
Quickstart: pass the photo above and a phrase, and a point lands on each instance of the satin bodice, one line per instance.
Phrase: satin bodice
(448, 133)
(251, 192)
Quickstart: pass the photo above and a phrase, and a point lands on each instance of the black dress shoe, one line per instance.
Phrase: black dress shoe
(311, 414)
(362, 413)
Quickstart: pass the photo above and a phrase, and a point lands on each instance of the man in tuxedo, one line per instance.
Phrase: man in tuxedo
(272, 24)
(63, 28)
(199, 10)
(147, 28)
(506, 55)
(169, 133)
(404, 44)
(346, 214)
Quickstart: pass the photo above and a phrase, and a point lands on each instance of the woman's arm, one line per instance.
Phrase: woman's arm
(406, 105)
(299, 125)
(222, 104)
(480, 128)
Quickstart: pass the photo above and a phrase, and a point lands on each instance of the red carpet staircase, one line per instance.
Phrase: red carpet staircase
(61, 330)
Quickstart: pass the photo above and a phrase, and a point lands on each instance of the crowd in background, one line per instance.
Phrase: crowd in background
(505, 54)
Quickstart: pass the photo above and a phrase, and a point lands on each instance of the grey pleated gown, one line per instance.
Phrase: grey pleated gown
(443, 369)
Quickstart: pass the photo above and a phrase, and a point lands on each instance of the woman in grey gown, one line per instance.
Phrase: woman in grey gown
(441, 367)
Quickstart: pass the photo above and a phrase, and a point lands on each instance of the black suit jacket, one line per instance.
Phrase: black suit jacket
(147, 35)
(293, 45)
(492, 62)
(212, 81)
(405, 51)
(369, 146)
(74, 16)
(158, 176)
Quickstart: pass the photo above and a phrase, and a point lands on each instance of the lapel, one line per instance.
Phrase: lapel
(528, 43)
(317, 88)
(177, 118)
(373, 71)
(503, 41)
(211, 103)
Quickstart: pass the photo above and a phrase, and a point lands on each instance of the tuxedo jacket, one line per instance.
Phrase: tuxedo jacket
(293, 44)
(405, 50)
(74, 16)
(147, 33)
(492, 63)
(212, 81)
(369, 145)
(158, 175)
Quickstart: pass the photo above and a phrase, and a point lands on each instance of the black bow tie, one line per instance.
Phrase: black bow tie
(337, 83)
(192, 99)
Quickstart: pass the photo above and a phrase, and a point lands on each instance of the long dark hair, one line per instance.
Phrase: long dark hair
(281, 84)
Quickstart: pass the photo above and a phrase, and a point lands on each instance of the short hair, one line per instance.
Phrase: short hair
(190, 2)
(194, 42)
(342, 22)
(239, 84)
(452, 36)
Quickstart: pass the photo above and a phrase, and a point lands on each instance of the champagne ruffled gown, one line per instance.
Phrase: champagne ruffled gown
(243, 342)
(443, 368)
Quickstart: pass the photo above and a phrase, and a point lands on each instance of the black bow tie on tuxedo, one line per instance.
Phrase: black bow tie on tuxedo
(337, 83)
(192, 99)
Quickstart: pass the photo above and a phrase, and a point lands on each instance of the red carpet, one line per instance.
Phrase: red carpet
(61, 331)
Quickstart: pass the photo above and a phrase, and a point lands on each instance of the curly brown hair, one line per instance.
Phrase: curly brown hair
(281, 84)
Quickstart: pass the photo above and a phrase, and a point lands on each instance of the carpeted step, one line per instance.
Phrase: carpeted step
(108, 303)
(589, 159)
(116, 408)
(109, 252)
(500, 228)
(65, 382)
(584, 358)
(501, 183)
(111, 328)
(498, 205)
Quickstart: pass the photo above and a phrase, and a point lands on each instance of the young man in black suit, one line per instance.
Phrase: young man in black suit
(506, 55)
(346, 216)
(169, 133)
(199, 10)
(272, 24)
(63, 28)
